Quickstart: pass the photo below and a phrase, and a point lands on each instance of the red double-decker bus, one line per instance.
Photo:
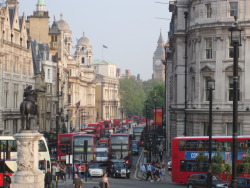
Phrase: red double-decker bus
(120, 147)
(186, 149)
(79, 147)
(64, 143)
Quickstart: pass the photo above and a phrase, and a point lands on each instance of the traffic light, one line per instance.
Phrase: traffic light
(85, 145)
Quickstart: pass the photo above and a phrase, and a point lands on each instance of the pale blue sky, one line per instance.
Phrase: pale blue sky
(128, 28)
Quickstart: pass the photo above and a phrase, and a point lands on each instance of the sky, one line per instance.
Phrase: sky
(129, 28)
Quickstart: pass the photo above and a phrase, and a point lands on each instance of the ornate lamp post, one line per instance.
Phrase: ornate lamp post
(155, 99)
(235, 42)
(146, 114)
(210, 88)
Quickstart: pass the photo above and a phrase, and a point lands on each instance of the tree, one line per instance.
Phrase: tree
(132, 96)
(244, 167)
(219, 166)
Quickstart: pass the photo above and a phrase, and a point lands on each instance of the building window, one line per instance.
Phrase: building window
(205, 129)
(69, 99)
(207, 93)
(231, 51)
(48, 89)
(233, 9)
(230, 129)
(5, 124)
(209, 10)
(230, 88)
(6, 94)
(194, 51)
(208, 47)
(193, 89)
(83, 60)
(48, 73)
(15, 126)
(15, 95)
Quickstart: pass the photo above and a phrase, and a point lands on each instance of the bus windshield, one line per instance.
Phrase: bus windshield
(119, 139)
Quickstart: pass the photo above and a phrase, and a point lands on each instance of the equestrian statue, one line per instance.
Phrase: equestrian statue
(28, 107)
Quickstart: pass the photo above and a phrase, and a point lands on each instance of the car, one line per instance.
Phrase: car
(118, 168)
(135, 149)
(95, 169)
(200, 181)
(243, 182)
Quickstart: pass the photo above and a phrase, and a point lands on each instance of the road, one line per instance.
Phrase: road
(127, 183)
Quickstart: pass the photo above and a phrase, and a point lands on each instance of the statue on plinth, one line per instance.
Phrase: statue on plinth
(28, 107)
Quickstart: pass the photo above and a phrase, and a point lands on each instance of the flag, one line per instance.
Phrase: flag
(104, 46)
(77, 106)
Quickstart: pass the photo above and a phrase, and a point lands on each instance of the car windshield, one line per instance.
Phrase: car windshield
(216, 178)
(101, 154)
(94, 166)
(119, 165)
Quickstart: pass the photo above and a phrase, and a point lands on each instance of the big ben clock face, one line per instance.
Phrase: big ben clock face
(158, 62)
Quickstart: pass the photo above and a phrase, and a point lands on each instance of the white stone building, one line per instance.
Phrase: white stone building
(16, 67)
(208, 54)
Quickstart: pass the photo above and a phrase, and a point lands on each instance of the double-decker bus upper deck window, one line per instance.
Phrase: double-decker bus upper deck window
(224, 146)
(214, 145)
(119, 139)
(79, 140)
(182, 144)
(248, 145)
(202, 145)
(65, 140)
(12, 145)
(241, 146)
(192, 145)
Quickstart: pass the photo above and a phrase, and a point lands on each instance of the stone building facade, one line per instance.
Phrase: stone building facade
(209, 54)
(16, 67)
(45, 83)
(107, 91)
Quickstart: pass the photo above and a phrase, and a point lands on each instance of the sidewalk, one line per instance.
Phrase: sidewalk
(69, 182)
(139, 174)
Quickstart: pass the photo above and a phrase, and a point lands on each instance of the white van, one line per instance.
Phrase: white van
(102, 155)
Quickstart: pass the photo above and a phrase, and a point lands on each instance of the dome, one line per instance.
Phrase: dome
(83, 41)
(63, 25)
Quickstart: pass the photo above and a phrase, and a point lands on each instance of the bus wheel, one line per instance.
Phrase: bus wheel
(190, 186)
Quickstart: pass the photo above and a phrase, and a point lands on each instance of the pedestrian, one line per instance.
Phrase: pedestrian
(48, 178)
(149, 175)
(79, 171)
(77, 182)
(161, 154)
(105, 181)
(143, 170)
(7, 180)
(63, 172)
(170, 168)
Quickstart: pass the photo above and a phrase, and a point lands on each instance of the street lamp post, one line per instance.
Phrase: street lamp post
(210, 88)
(235, 42)
(155, 97)
(146, 114)
(164, 62)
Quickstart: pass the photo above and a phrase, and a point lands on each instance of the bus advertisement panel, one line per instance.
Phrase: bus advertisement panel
(120, 147)
(186, 149)
(8, 156)
(64, 144)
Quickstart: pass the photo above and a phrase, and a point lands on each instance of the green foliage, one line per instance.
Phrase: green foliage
(219, 166)
(133, 94)
(201, 157)
(244, 167)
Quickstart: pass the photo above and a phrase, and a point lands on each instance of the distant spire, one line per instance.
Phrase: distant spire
(61, 16)
(83, 34)
(160, 40)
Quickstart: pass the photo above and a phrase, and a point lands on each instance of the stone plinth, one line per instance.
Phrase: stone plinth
(28, 174)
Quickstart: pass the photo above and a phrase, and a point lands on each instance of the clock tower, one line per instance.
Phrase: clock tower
(159, 54)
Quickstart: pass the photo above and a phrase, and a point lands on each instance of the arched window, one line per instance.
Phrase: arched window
(83, 60)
